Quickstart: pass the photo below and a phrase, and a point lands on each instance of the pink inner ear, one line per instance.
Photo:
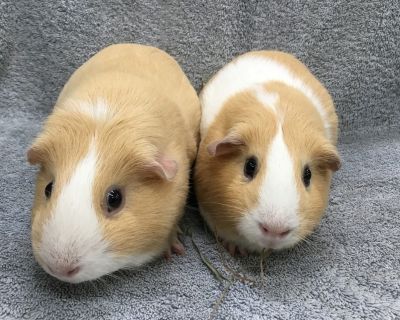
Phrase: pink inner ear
(164, 167)
(224, 146)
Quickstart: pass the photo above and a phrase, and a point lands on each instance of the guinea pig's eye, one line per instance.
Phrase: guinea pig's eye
(250, 167)
(48, 190)
(306, 176)
(114, 200)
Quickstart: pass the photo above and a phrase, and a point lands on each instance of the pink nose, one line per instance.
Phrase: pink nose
(274, 231)
(64, 271)
(72, 271)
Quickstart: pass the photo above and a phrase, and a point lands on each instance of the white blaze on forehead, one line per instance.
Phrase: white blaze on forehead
(73, 235)
(278, 193)
(267, 99)
(98, 109)
(245, 73)
(73, 226)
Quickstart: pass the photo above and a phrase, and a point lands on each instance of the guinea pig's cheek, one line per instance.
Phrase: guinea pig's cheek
(39, 219)
(248, 228)
(128, 244)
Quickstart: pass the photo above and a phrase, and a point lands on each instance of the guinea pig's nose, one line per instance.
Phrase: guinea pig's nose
(72, 271)
(64, 270)
(274, 231)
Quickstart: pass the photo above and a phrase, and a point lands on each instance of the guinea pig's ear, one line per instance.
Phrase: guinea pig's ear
(226, 145)
(327, 157)
(35, 154)
(163, 166)
(40, 150)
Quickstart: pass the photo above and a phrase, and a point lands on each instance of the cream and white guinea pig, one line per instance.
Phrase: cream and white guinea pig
(114, 156)
(267, 152)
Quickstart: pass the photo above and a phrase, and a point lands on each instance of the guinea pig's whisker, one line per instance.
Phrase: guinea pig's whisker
(305, 240)
(95, 283)
(117, 276)
(108, 276)
(36, 251)
(229, 206)
(308, 242)
(314, 235)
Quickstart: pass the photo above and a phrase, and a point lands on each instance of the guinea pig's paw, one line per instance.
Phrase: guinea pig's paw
(175, 247)
(233, 249)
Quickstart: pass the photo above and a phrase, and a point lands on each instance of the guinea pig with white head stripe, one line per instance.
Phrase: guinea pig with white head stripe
(267, 152)
(114, 156)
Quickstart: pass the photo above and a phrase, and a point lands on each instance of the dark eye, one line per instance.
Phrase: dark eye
(48, 190)
(114, 199)
(306, 176)
(250, 167)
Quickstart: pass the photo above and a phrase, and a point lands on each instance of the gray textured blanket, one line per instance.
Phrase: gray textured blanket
(349, 269)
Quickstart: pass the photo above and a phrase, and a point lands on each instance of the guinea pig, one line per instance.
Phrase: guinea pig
(267, 151)
(114, 156)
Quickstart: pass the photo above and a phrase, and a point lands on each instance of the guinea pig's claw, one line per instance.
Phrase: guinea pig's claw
(167, 254)
(243, 252)
(233, 249)
(176, 247)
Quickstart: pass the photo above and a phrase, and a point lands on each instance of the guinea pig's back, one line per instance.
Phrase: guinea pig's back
(137, 66)
(251, 69)
(300, 71)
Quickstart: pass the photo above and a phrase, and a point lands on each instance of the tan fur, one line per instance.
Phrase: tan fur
(223, 193)
(153, 110)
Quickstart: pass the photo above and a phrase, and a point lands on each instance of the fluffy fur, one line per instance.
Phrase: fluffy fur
(129, 118)
(278, 112)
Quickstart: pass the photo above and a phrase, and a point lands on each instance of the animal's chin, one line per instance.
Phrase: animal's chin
(71, 280)
(261, 243)
(280, 245)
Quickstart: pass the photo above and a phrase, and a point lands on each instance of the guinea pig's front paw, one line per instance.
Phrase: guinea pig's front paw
(233, 249)
(175, 247)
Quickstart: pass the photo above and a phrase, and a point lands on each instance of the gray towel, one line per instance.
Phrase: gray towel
(349, 269)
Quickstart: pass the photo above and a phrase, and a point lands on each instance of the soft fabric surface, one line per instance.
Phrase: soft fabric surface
(349, 269)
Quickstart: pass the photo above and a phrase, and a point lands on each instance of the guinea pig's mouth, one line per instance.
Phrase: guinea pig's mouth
(276, 244)
(258, 241)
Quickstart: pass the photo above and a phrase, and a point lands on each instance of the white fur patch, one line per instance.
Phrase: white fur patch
(267, 99)
(97, 110)
(245, 73)
(278, 199)
(73, 234)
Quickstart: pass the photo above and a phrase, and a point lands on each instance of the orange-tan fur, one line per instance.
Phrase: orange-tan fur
(153, 109)
(224, 195)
